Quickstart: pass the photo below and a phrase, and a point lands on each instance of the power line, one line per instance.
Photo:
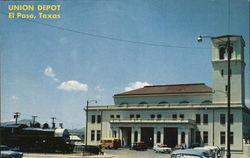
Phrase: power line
(108, 37)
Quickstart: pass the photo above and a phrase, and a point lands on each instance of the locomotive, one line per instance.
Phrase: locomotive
(21, 137)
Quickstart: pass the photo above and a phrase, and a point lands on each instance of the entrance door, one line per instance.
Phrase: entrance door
(147, 136)
(126, 136)
(171, 136)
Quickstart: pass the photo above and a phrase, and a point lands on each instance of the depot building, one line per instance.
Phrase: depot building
(180, 113)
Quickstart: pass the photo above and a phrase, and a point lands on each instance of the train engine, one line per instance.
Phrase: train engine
(31, 139)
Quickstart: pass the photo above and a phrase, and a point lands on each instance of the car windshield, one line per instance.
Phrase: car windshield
(162, 146)
(4, 148)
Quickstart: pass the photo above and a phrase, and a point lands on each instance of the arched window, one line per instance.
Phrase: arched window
(163, 103)
(184, 102)
(182, 137)
(206, 102)
(143, 103)
(124, 104)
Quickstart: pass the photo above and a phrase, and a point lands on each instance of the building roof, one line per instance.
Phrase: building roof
(169, 89)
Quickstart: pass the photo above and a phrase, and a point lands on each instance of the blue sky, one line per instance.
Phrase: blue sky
(48, 72)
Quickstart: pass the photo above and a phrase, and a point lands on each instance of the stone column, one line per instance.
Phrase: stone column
(139, 134)
(155, 135)
(132, 134)
(187, 138)
(162, 135)
(179, 136)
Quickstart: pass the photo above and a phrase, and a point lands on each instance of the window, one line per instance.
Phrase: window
(93, 119)
(182, 137)
(222, 53)
(222, 72)
(138, 115)
(143, 103)
(222, 137)
(158, 140)
(159, 116)
(184, 102)
(92, 135)
(163, 103)
(198, 137)
(136, 136)
(112, 116)
(205, 137)
(205, 119)
(131, 116)
(198, 118)
(124, 104)
(206, 102)
(231, 137)
(118, 116)
(231, 118)
(114, 134)
(174, 116)
(98, 135)
(152, 116)
(222, 119)
(225, 88)
(181, 116)
(99, 119)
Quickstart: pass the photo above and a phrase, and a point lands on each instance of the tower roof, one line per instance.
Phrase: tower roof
(169, 89)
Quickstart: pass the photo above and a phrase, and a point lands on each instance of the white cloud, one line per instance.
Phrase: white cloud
(50, 73)
(99, 89)
(14, 97)
(136, 85)
(73, 86)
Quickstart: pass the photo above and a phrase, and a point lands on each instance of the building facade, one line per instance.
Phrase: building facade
(181, 113)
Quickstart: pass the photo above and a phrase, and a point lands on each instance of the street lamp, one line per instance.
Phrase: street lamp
(86, 129)
(199, 39)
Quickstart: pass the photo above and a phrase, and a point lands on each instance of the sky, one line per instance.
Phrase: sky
(98, 48)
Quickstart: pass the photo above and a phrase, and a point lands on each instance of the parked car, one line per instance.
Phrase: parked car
(162, 148)
(110, 143)
(190, 153)
(92, 149)
(5, 152)
(211, 151)
(138, 146)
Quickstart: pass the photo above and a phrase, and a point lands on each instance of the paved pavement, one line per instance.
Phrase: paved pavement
(126, 153)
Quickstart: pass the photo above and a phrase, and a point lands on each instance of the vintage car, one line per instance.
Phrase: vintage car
(92, 150)
(139, 146)
(215, 149)
(162, 148)
(212, 152)
(190, 153)
(5, 152)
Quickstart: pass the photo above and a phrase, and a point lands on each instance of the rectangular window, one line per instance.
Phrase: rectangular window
(198, 118)
(118, 116)
(174, 116)
(205, 137)
(98, 135)
(131, 116)
(158, 140)
(231, 118)
(92, 135)
(152, 116)
(99, 119)
(231, 137)
(198, 137)
(222, 137)
(222, 119)
(114, 134)
(138, 116)
(112, 116)
(93, 119)
(135, 136)
(205, 119)
(181, 116)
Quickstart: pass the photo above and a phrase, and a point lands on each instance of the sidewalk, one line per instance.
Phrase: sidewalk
(27, 155)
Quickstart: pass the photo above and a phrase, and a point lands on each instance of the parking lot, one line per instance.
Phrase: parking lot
(126, 153)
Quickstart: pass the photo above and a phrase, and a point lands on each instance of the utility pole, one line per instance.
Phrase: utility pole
(53, 122)
(33, 120)
(16, 116)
